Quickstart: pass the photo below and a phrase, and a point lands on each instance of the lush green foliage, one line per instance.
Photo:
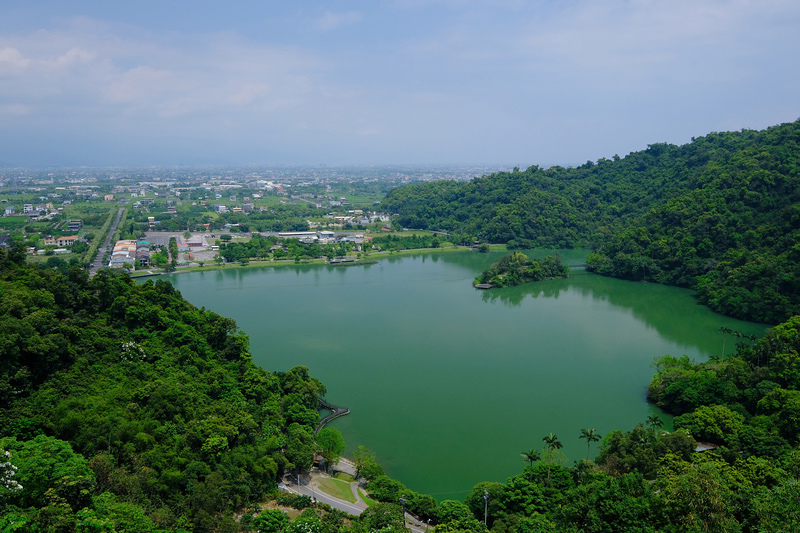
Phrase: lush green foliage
(162, 407)
(515, 269)
(749, 403)
(414, 242)
(719, 214)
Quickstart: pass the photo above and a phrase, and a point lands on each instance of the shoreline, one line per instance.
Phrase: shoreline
(271, 263)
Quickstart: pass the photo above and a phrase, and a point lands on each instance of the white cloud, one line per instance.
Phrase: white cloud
(11, 60)
(139, 83)
(332, 21)
(648, 39)
(75, 55)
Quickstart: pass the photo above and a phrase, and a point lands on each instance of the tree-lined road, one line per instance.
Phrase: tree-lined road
(97, 264)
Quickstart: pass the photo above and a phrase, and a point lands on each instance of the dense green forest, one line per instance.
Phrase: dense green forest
(516, 268)
(124, 405)
(720, 214)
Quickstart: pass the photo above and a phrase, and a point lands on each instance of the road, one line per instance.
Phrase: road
(97, 264)
(307, 486)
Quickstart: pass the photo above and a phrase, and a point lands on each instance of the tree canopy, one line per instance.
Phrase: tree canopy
(719, 214)
(121, 394)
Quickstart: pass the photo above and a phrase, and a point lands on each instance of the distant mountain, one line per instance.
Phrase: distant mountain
(720, 214)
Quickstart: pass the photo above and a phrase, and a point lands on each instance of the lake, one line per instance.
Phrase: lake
(448, 384)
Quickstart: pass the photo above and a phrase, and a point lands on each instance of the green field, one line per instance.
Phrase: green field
(336, 488)
(12, 223)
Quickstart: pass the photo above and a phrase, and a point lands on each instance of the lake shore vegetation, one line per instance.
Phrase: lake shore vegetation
(516, 268)
(718, 215)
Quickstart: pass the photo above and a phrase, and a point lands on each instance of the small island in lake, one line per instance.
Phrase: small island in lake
(517, 268)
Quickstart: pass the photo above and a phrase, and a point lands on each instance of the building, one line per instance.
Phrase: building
(124, 253)
(74, 225)
(67, 241)
(143, 252)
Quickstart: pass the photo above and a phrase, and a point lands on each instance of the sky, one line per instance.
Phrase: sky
(512, 82)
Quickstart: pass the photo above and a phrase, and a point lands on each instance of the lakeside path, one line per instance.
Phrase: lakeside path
(308, 484)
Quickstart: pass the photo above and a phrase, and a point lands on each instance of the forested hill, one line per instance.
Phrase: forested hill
(125, 408)
(720, 214)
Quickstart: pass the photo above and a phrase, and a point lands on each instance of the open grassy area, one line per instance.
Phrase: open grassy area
(367, 500)
(43, 258)
(336, 488)
(344, 476)
(13, 223)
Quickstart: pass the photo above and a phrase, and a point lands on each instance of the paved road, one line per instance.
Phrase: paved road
(97, 264)
(308, 487)
(336, 503)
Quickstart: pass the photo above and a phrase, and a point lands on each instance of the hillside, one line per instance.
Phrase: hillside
(719, 214)
(126, 406)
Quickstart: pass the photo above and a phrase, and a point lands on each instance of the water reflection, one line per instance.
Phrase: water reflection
(673, 312)
(514, 296)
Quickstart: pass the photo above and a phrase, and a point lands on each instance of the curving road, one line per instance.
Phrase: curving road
(306, 485)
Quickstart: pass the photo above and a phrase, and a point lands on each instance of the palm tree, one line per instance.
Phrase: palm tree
(591, 436)
(552, 444)
(724, 332)
(654, 421)
(531, 456)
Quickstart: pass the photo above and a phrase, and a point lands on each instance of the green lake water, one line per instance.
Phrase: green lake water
(448, 384)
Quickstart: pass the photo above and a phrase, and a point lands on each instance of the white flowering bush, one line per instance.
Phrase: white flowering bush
(7, 473)
(131, 351)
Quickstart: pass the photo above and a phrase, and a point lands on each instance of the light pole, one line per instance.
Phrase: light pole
(403, 503)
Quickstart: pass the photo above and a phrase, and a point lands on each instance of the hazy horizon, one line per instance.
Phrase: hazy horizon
(393, 82)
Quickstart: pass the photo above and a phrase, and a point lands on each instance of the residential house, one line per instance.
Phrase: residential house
(67, 241)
